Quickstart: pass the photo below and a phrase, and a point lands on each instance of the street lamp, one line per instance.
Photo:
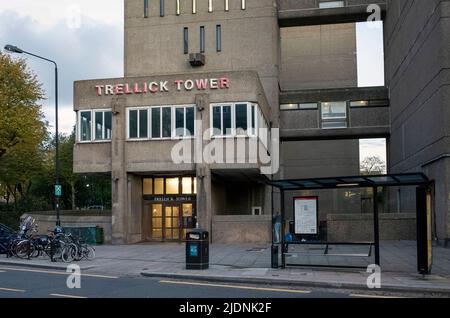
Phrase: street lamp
(58, 190)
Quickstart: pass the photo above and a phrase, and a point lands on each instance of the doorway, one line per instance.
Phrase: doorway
(170, 221)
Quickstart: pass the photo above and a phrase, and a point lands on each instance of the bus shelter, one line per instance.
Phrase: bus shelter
(423, 213)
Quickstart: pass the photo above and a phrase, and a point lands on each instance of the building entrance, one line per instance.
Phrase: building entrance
(170, 221)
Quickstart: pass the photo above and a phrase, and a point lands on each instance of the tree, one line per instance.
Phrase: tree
(373, 165)
(21, 118)
(22, 128)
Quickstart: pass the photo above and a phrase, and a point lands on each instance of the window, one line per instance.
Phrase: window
(239, 119)
(103, 125)
(184, 121)
(288, 106)
(331, 4)
(147, 185)
(161, 8)
(186, 40)
(178, 9)
(85, 126)
(243, 4)
(227, 5)
(169, 185)
(186, 186)
(161, 122)
(360, 103)
(159, 185)
(218, 38)
(334, 115)
(194, 6)
(202, 39)
(222, 120)
(156, 122)
(172, 186)
(308, 106)
(210, 5)
(146, 8)
(138, 123)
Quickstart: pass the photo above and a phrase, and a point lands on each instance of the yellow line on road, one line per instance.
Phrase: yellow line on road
(12, 290)
(55, 273)
(294, 291)
(66, 296)
(372, 296)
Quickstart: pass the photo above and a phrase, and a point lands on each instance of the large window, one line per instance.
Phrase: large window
(161, 122)
(103, 125)
(94, 125)
(138, 124)
(235, 119)
(334, 115)
(169, 185)
(184, 121)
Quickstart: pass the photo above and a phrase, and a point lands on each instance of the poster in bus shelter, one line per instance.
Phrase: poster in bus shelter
(306, 215)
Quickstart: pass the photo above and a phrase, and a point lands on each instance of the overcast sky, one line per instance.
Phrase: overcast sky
(85, 37)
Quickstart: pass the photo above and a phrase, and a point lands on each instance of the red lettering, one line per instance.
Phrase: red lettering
(127, 89)
(224, 82)
(136, 89)
(99, 89)
(119, 89)
(202, 84)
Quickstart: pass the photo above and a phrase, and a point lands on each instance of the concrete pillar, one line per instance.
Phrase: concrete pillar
(203, 171)
(118, 174)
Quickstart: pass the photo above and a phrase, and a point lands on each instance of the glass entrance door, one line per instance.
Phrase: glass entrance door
(170, 221)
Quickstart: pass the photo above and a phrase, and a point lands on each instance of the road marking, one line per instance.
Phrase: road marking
(66, 296)
(294, 291)
(372, 296)
(12, 290)
(55, 273)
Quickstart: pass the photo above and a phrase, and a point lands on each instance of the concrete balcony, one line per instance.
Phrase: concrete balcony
(307, 12)
(369, 121)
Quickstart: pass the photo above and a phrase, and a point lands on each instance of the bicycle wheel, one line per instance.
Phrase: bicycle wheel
(23, 249)
(69, 253)
(89, 253)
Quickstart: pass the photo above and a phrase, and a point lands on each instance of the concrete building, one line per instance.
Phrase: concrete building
(249, 86)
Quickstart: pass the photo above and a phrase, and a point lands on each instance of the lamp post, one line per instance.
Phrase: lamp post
(58, 191)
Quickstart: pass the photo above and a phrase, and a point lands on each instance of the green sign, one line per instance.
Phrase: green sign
(58, 190)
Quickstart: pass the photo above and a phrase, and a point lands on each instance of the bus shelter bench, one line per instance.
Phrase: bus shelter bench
(326, 248)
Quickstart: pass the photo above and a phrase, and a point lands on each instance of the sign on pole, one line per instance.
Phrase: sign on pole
(58, 190)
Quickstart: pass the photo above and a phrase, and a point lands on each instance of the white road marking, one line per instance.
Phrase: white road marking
(373, 296)
(55, 273)
(294, 291)
(66, 296)
(12, 290)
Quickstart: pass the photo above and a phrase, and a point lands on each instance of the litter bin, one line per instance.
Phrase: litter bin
(99, 235)
(197, 249)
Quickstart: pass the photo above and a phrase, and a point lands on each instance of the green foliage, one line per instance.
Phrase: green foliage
(27, 153)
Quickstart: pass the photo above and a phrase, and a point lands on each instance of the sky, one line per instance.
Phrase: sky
(85, 38)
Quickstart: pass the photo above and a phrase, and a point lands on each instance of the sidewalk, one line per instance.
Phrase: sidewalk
(245, 263)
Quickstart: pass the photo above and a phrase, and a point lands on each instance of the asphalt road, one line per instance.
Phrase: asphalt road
(19, 282)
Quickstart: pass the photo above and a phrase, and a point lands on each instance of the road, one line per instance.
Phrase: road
(19, 282)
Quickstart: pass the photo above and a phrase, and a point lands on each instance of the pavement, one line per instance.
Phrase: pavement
(250, 263)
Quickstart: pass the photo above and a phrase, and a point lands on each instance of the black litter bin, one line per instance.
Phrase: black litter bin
(197, 249)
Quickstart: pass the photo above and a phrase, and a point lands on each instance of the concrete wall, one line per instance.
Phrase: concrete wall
(46, 221)
(354, 228)
(321, 56)
(242, 229)
(154, 45)
(418, 75)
